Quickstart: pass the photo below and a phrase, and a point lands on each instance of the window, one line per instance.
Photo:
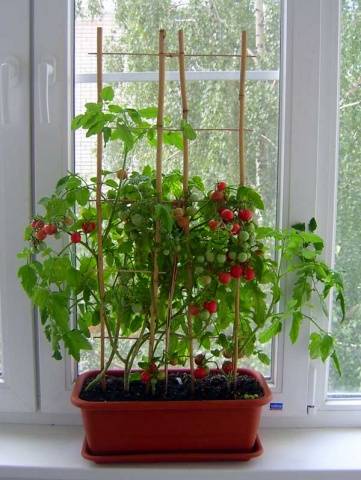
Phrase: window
(213, 84)
(292, 111)
(348, 227)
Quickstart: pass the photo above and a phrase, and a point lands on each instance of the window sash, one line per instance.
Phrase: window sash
(308, 128)
(17, 384)
(53, 151)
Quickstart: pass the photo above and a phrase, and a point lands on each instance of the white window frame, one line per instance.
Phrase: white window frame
(53, 151)
(307, 178)
(17, 384)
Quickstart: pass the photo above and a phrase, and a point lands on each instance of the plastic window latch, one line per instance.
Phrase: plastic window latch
(9, 78)
(46, 78)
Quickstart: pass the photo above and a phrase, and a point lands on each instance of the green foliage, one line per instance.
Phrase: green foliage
(195, 252)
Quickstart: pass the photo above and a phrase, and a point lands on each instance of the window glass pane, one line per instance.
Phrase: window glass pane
(132, 26)
(348, 229)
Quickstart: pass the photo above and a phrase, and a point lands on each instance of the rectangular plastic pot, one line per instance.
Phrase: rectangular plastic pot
(170, 426)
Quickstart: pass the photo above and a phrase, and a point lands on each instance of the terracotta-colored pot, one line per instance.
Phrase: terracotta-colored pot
(166, 426)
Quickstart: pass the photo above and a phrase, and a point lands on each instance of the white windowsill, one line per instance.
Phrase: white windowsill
(53, 452)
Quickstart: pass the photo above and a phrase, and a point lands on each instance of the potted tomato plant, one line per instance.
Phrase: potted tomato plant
(215, 299)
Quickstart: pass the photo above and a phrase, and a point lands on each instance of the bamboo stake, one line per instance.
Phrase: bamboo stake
(155, 280)
(185, 111)
(100, 259)
(242, 176)
(242, 179)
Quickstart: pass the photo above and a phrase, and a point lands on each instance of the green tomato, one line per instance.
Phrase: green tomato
(166, 252)
(198, 270)
(200, 259)
(177, 248)
(137, 219)
(232, 255)
(246, 246)
(242, 257)
(250, 227)
(244, 236)
(205, 279)
(210, 256)
(137, 307)
(221, 258)
(204, 315)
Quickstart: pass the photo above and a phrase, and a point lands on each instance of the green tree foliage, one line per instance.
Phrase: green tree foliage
(348, 232)
(210, 27)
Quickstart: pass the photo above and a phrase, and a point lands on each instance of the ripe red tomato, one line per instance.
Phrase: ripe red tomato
(213, 225)
(211, 306)
(224, 277)
(75, 237)
(41, 235)
(201, 372)
(245, 215)
(37, 223)
(221, 186)
(235, 229)
(88, 227)
(194, 310)
(236, 271)
(50, 229)
(227, 215)
(217, 196)
(145, 377)
(249, 274)
(183, 223)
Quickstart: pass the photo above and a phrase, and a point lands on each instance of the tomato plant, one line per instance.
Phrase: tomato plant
(210, 246)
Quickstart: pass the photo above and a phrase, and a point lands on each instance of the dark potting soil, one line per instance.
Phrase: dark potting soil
(214, 387)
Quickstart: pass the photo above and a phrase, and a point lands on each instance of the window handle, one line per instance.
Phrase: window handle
(9, 78)
(46, 78)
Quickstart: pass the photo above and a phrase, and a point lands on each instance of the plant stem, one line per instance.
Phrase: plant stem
(101, 374)
(169, 317)
(236, 329)
(132, 354)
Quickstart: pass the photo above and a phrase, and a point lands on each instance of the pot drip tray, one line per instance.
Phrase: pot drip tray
(164, 457)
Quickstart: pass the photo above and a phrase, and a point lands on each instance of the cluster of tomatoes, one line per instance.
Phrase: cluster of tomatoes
(234, 221)
(42, 230)
(209, 307)
(87, 227)
(202, 369)
(149, 373)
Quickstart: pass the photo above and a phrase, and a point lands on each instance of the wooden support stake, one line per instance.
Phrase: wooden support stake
(242, 179)
(100, 259)
(155, 279)
(185, 111)
(242, 98)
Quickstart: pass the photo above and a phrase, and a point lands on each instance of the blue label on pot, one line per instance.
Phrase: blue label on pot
(276, 406)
